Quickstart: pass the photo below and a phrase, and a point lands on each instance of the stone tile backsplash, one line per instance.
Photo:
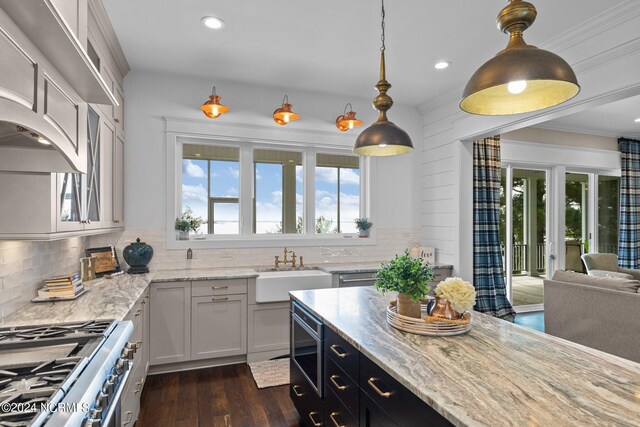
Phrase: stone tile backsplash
(388, 243)
(24, 265)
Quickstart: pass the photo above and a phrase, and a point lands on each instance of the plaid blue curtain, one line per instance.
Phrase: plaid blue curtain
(488, 276)
(629, 233)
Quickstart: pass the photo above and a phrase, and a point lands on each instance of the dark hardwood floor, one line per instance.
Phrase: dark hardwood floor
(225, 396)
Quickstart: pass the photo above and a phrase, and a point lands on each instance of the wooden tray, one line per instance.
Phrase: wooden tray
(422, 327)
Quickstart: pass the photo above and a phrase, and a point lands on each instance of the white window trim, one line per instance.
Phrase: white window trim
(174, 144)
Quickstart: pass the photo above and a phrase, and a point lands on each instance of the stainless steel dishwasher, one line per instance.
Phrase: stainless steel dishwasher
(357, 279)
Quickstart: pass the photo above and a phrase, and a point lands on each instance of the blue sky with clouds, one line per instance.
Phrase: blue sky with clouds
(225, 183)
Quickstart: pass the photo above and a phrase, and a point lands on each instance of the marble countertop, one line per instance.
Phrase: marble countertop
(105, 299)
(498, 374)
(204, 274)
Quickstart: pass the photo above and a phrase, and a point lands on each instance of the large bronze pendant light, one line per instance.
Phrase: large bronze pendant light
(383, 138)
(520, 78)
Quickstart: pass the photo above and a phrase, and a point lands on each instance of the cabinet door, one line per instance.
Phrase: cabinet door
(170, 322)
(118, 111)
(371, 415)
(268, 327)
(107, 170)
(69, 201)
(92, 188)
(219, 326)
(118, 183)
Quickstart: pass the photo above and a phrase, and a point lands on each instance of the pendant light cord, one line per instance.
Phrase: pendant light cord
(382, 25)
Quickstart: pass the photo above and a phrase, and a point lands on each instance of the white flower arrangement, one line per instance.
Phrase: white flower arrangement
(460, 294)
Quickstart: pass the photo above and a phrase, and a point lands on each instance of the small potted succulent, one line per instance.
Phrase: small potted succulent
(363, 225)
(186, 223)
(454, 297)
(408, 277)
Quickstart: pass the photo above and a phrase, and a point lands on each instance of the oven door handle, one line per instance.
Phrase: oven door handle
(116, 398)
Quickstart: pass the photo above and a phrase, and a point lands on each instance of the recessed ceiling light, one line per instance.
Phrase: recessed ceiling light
(442, 65)
(213, 22)
(637, 120)
(43, 141)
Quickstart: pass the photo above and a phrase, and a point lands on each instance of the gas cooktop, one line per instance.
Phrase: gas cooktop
(39, 365)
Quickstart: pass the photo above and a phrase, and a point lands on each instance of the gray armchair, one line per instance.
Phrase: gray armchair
(606, 265)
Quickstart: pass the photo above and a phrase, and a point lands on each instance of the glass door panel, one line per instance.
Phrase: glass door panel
(70, 203)
(92, 188)
(576, 217)
(608, 213)
(529, 236)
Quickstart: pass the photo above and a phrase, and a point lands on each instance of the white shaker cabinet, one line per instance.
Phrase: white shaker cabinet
(170, 322)
(219, 326)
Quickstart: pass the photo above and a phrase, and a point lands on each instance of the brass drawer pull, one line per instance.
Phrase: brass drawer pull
(340, 353)
(335, 383)
(313, 420)
(138, 312)
(219, 298)
(336, 423)
(219, 287)
(296, 392)
(385, 394)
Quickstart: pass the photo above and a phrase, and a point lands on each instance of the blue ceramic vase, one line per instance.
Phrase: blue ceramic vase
(138, 255)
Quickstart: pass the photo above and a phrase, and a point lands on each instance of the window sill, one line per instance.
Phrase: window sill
(269, 241)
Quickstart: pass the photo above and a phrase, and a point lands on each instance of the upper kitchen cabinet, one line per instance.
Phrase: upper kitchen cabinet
(85, 193)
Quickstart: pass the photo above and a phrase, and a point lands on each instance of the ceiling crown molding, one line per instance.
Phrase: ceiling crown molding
(586, 131)
(97, 10)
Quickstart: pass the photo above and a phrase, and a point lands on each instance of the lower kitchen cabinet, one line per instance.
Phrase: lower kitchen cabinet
(219, 326)
(268, 327)
(371, 415)
(170, 322)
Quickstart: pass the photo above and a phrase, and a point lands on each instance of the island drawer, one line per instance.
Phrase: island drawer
(203, 288)
(404, 407)
(305, 399)
(346, 389)
(336, 414)
(342, 353)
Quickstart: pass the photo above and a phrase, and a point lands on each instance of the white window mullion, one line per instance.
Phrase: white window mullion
(592, 227)
(309, 172)
(246, 190)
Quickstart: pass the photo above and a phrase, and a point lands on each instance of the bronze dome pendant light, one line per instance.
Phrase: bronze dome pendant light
(521, 78)
(383, 138)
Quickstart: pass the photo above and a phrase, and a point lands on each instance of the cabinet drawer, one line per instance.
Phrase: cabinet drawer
(218, 326)
(405, 408)
(307, 402)
(336, 414)
(342, 353)
(342, 386)
(371, 415)
(203, 288)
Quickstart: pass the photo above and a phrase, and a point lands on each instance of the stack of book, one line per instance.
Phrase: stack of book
(67, 286)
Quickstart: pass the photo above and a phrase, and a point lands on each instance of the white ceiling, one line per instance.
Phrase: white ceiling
(615, 120)
(329, 46)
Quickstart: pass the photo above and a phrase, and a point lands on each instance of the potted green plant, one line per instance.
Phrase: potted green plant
(186, 223)
(363, 225)
(408, 277)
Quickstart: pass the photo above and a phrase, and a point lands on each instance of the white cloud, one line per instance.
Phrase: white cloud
(194, 192)
(330, 175)
(234, 172)
(348, 176)
(192, 170)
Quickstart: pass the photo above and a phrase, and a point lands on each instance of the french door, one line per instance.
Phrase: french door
(525, 221)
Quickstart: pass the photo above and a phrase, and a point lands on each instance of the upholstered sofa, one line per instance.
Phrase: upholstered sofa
(598, 312)
(606, 265)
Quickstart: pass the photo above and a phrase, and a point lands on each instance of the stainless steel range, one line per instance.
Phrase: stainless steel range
(64, 374)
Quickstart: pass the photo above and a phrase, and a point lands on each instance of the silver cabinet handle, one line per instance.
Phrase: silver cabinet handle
(138, 312)
(366, 279)
(296, 392)
(385, 394)
(313, 420)
(219, 298)
(219, 287)
(335, 347)
(333, 379)
(336, 423)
